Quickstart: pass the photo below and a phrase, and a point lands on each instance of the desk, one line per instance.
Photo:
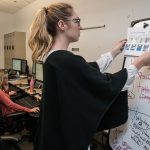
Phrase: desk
(18, 81)
(23, 81)
(22, 84)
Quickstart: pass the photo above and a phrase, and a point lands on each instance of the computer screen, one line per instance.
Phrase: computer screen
(23, 66)
(16, 64)
(33, 68)
(39, 71)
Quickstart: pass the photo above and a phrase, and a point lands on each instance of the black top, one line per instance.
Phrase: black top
(77, 101)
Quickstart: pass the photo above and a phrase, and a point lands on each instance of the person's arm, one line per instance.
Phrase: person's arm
(132, 70)
(117, 49)
(106, 59)
(11, 105)
(4, 99)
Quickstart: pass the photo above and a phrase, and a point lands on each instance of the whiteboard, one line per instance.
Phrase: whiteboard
(135, 133)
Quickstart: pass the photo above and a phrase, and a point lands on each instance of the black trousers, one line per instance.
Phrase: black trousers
(3, 146)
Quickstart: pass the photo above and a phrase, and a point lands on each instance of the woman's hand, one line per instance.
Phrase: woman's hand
(35, 109)
(117, 49)
(143, 60)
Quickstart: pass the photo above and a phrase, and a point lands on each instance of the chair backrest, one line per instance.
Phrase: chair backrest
(8, 142)
(3, 145)
(1, 123)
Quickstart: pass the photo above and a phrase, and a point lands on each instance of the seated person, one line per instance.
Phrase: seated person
(4, 85)
(8, 106)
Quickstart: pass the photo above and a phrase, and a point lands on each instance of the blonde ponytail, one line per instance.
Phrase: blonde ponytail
(39, 40)
(44, 28)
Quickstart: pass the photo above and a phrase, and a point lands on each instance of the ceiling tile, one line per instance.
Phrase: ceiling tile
(12, 6)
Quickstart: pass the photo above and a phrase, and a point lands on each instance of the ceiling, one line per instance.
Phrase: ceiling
(12, 6)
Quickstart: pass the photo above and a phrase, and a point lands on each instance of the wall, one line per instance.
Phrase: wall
(6, 26)
(115, 14)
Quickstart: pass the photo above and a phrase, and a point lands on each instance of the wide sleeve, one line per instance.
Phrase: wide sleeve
(97, 81)
(105, 61)
(108, 88)
(85, 97)
(94, 64)
(77, 98)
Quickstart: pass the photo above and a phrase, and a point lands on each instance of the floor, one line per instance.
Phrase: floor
(26, 145)
(98, 143)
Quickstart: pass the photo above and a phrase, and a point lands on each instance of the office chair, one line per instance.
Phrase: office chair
(100, 141)
(25, 123)
(8, 141)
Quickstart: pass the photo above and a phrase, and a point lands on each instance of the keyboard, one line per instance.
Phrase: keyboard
(28, 101)
(12, 77)
(14, 88)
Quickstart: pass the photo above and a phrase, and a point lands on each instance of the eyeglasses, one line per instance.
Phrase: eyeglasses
(75, 20)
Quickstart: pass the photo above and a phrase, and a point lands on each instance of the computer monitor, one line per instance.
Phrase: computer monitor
(23, 66)
(39, 71)
(16, 64)
(19, 65)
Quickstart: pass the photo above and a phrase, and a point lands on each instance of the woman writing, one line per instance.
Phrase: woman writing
(78, 97)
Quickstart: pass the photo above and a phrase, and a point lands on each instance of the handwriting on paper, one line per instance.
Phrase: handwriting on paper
(135, 134)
